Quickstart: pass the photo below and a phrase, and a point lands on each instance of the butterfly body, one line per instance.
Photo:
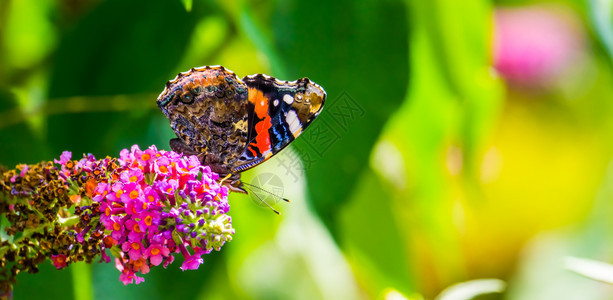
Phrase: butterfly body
(233, 125)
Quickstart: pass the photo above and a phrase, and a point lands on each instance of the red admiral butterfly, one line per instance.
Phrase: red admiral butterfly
(233, 125)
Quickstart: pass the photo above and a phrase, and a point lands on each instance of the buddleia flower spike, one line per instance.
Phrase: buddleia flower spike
(140, 209)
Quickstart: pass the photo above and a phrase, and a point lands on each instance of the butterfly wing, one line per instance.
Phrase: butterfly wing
(232, 124)
(278, 112)
(207, 109)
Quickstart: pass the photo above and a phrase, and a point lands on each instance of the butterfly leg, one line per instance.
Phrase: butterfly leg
(234, 183)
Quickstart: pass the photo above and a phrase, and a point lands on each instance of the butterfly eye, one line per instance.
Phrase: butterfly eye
(187, 98)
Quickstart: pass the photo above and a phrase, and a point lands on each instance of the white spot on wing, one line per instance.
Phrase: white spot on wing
(293, 122)
(288, 99)
(276, 102)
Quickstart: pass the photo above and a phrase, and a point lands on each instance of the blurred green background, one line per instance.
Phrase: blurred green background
(461, 140)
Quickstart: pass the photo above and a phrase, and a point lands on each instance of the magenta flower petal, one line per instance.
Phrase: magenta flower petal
(127, 277)
(192, 262)
(66, 155)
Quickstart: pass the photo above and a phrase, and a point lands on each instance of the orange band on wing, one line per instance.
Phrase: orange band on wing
(262, 138)
(259, 101)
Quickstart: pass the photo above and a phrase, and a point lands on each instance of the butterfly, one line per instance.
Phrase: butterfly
(234, 124)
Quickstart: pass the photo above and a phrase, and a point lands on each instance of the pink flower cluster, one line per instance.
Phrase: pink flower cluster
(156, 203)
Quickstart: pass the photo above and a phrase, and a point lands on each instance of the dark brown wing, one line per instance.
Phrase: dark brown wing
(207, 109)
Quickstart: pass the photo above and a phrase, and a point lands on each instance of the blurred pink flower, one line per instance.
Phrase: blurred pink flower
(533, 45)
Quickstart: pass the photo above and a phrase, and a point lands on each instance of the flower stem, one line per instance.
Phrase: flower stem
(82, 281)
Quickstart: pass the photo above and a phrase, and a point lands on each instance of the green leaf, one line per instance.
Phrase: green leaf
(357, 51)
(453, 100)
(375, 245)
(120, 56)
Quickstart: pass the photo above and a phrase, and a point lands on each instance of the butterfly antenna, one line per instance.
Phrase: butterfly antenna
(274, 210)
(269, 192)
